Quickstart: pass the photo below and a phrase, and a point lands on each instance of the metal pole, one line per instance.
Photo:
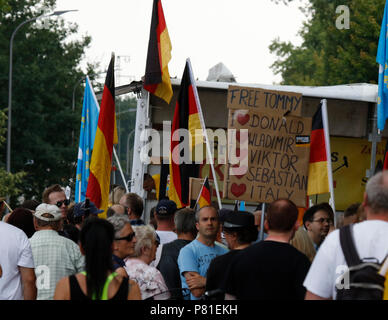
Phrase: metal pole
(374, 137)
(262, 221)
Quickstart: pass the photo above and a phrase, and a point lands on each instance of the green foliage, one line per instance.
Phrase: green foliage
(8, 182)
(45, 72)
(125, 120)
(330, 56)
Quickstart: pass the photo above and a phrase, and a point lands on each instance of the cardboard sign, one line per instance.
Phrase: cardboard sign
(278, 158)
(195, 187)
(263, 100)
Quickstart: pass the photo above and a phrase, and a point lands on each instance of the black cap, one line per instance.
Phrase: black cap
(238, 219)
(80, 210)
(166, 207)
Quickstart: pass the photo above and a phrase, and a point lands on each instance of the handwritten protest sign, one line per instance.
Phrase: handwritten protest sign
(278, 157)
(263, 100)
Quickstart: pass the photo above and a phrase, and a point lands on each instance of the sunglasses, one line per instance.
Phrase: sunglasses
(322, 220)
(66, 202)
(128, 237)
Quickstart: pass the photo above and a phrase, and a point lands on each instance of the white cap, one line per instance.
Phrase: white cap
(51, 209)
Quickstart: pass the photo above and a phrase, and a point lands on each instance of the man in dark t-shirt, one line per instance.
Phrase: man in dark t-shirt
(168, 266)
(271, 269)
(240, 231)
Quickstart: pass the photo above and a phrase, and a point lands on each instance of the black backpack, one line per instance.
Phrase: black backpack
(365, 283)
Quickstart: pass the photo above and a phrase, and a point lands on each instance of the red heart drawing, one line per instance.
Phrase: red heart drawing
(238, 189)
(243, 118)
(236, 169)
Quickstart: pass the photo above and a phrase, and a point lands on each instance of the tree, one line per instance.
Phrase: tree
(126, 120)
(45, 70)
(8, 181)
(328, 55)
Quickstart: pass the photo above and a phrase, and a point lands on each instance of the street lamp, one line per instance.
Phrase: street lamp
(55, 13)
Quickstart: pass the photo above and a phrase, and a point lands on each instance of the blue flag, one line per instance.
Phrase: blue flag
(381, 58)
(89, 121)
(242, 205)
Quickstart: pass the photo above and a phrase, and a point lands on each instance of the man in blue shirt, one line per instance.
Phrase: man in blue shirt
(194, 259)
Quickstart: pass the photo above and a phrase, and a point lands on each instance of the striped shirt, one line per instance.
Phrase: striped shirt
(55, 257)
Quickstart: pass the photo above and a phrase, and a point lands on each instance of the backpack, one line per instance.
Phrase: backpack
(365, 282)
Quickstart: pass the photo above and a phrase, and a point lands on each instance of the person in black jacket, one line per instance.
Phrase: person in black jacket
(168, 266)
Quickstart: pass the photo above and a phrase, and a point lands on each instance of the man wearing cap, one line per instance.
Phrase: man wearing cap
(84, 209)
(164, 215)
(194, 258)
(271, 269)
(240, 231)
(55, 256)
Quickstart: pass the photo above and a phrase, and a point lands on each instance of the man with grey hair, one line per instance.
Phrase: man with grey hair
(370, 238)
(184, 220)
(124, 243)
(55, 256)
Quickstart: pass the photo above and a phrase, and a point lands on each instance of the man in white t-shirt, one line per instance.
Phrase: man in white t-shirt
(17, 276)
(370, 237)
(164, 215)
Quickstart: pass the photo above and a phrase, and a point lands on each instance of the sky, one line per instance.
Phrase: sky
(236, 33)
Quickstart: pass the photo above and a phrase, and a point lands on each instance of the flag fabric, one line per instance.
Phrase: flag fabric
(242, 206)
(89, 120)
(157, 79)
(204, 197)
(385, 161)
(106, 137)
(381, 59)
(186, 116)
(318, 180)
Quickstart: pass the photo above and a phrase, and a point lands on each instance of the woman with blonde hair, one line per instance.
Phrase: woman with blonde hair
(303, 243)
(149, 279)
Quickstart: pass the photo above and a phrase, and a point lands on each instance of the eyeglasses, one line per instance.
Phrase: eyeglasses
(66, 202)
(128, 237)
(322, 220)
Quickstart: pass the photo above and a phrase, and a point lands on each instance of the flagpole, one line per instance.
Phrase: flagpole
(120, 169)
(328, 156)
(262, 221)
(204, 133)
(199, 195)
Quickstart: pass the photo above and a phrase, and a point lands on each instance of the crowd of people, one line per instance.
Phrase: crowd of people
(57, 250)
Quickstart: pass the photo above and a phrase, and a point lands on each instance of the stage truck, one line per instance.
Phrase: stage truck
(356, 146)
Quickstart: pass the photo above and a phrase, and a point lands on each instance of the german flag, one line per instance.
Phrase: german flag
(157, 79)
(186, 116)
(204, 197)
(106, 137)
(318, 181)
(385, 163)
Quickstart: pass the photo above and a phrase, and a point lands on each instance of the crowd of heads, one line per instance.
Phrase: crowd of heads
(124, 233)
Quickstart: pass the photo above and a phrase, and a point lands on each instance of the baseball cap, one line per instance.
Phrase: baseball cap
(238, 219)
(51, 209)
(166, 207)
(79, 209)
